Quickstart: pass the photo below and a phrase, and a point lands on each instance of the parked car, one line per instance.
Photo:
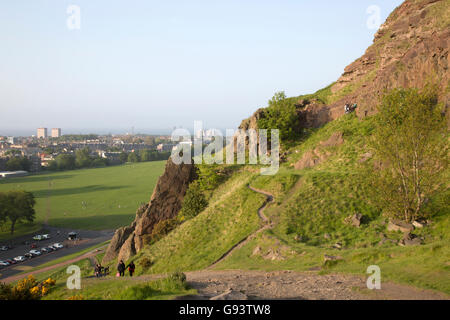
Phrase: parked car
(28, 255)
(46, 236)
(11, 261)
(57, 246)
(35, 252)
(43, 250)
(4, 263)
(50, 249)
(19, 258)
(72, 236)
(4, 248)
(33, 246)
(38, 237)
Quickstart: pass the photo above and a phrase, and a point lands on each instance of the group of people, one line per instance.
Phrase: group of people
(121, 268)
(100, 271)
(350, 109)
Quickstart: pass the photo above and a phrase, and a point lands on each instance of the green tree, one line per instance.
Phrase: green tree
(17, 206)
(410, 142)
(83, 158)
(65, 162)
(123, 157)
(133, 157)
(281, 114)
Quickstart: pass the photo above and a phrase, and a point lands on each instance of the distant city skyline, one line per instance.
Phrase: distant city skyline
(153, 65)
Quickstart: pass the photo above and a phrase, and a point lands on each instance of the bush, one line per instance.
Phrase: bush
(146, 263)
(178, 277)
(162, 228)
(194, 201)
(26, 289)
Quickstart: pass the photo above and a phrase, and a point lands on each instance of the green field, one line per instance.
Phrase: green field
(94, 199)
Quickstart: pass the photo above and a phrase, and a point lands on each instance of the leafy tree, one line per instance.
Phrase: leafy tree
(194, 201)
(65, 162)
(83, 158)
(281, 114)
(123, 157)
(410, 142)
(18, 163)
(17, 206)
(133, 157)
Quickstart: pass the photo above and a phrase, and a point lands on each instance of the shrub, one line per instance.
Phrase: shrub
(162, 228)
(194, 201)
(146, 263)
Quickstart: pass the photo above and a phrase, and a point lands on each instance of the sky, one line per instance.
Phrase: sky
(153, 65)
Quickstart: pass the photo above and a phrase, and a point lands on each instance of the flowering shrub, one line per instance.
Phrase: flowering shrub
(76, 297)
(26, 289)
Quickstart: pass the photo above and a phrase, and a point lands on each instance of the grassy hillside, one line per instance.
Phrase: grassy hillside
(309, 211)
(96, 199)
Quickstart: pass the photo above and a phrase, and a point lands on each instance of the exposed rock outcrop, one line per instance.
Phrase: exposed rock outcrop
(165, 203)
(312, 158)
(409, 50)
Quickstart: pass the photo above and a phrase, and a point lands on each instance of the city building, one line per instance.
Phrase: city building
(56, 132)
(12, 140)
(42, 133)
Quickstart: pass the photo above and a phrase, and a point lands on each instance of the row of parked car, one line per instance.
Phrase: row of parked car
(31, 254)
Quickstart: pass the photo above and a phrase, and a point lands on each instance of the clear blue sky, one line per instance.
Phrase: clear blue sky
(158, 64)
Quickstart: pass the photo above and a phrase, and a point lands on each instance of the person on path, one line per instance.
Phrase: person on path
(121, 268)
(131, 267)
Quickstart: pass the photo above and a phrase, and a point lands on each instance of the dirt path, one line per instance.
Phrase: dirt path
(254, 285)
(267, 225)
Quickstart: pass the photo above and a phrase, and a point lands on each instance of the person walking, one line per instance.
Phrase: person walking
(131, 268)
(121, 268)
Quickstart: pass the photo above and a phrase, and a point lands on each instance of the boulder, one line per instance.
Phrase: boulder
(354, 220)
(418, 224)
(396, 225)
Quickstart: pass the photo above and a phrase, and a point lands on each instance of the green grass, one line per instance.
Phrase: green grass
(111, 196)
(230, 217)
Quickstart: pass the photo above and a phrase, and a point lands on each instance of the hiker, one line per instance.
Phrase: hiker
(97, 270)
(131, 268)
(121, 268)
(347, 107)
(105, 271)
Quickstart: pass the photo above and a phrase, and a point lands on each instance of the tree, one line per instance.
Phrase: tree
(17, 206)
(18, 163)
(83, 158)
(282, 115)
(123, 157)
(410, 143)
(132, 157)
(65, 162)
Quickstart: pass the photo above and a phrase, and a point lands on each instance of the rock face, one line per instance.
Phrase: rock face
(410, 49)
(164, 204)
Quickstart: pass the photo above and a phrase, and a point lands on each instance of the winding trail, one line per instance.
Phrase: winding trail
(267, 225)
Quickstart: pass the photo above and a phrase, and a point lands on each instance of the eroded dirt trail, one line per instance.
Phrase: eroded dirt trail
(267, 225)
(238, 284)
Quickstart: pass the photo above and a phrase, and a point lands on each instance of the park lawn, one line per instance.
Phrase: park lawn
(92, 199)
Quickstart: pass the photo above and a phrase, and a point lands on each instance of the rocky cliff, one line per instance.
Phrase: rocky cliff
(164, 204)
(409, 50)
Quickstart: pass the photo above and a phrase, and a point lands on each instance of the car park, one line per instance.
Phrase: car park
(35, 252)
(19, 259)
